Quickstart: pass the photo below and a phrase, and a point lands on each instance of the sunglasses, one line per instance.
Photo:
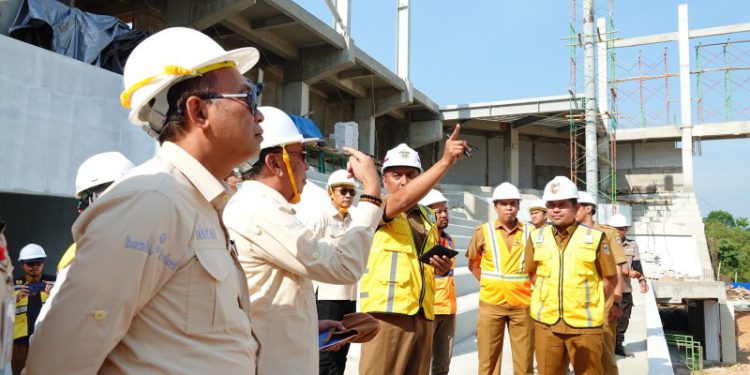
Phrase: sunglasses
(249, 98)
(33, 263)
(347, 191)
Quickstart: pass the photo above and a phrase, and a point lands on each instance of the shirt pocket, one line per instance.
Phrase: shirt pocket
(543, 259)
(210, 293)
(586, 261)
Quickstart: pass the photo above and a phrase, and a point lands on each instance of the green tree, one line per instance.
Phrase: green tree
(729, 244)
(722, 217)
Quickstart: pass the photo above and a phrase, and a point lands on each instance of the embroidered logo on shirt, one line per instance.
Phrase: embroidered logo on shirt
(150, 249)
(202, 234)
(606, 249)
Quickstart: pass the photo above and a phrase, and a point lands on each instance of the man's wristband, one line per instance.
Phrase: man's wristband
(371, 199)
(641, 280)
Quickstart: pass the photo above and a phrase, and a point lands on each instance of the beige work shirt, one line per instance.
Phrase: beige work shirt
(154, 288)
(332, 224)
(281, 257)
(630, 248)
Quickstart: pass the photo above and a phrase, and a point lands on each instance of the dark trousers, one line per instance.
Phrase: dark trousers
(622, 323)
(333, 363)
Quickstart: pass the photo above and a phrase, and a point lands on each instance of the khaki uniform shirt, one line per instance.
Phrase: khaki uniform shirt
(605, 264)
(631, 254)
(281, 257)
(155, 287)
(331, 225)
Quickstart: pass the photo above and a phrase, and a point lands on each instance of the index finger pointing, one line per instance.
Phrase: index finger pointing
(454, 135)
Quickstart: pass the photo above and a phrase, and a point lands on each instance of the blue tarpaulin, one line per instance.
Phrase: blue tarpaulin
(307, 127)
(741, 285)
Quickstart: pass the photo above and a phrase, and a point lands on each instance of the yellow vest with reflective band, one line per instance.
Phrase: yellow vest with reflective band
(503, 278)
(445, 286)
(395, 280)
(570, 276)
(21, 324)
(67, 257)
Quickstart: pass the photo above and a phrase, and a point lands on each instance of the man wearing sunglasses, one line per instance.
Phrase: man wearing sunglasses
(281, 256)
(335, 301)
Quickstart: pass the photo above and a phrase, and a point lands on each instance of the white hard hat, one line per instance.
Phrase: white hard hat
(168, 57)
(101, 169)
(618, 221)
(506, 190)
(401, 156)
(278, 130)
(433, 197)
(586, 198)
(31, 251)
(340, 177)
(560, 189)
(537, 205)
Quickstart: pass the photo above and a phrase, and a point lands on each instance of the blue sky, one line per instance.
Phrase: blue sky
(493, 50)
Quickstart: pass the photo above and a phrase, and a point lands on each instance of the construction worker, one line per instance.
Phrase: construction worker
(334, 301)
(281, 256)
(94, 176)
(538, 213)
(32, 290)
(445, 290)
(585, 216)
(496, 258)
(156, 286)
(397, 289)
(569, 311)
(7, 298)
(632, 269)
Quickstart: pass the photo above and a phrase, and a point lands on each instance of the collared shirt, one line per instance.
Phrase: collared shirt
(477, 245)
(155, 286)
(332, 224)
(281, 257)
(630, 248)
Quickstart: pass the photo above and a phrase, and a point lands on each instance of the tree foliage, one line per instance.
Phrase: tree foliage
(729, 244)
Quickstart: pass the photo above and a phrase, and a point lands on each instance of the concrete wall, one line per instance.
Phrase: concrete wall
(649, 167)
(56, 112)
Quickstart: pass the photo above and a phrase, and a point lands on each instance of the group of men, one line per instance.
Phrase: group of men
(173, 272)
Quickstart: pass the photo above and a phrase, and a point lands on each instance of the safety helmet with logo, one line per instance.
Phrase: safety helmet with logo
(166, 58)
(401, 156)
(434, 196)
(504, 191)
(586, 198)
(101, 169)
(618, 220)
(31, 251)
(537, 205)
(339, 178)
(560, 189)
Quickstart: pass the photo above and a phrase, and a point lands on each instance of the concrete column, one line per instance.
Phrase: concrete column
(402, 36)
(514, 156)
(589, 84)
(727, 333)
(364, 117)
(603, 100)
(712, 329)
(345, 13)
(296, 98)
(685, 103)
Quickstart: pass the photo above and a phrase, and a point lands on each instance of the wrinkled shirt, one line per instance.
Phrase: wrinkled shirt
(332, 224)
(281, 257)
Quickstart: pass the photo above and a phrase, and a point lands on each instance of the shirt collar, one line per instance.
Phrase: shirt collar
(212, 190)
(568, 231)
(334, 212)
(499, 225)
(261, 189)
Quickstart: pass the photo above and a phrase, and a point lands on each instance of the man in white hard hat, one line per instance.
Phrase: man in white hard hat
(156, 286)
(445, 290)
(569, 311)
(538, 213)
(585, 216)
(7, 298)
(496, 258)
(32, 291)
(398, 289)
(94, 176)
(334, 301)
(281, 256)
(632, 269)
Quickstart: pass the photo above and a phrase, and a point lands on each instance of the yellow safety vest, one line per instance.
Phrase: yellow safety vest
(445, 286)
(395, 280)
(67, 257)
(503, 278)
(21, 324)
(568, 275)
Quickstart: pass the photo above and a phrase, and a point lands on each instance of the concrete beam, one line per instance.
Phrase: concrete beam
(368, 62)
(263, 38)
(685, 99)
(673, 36)
(676, 291)
(721, 130)
(391, 101)
(349, 86)
(309, 21)
(425, 132)
(354, 73)
(363, 116)
(275, 22)
(421, 98)
(323, 61)
(550, 104)
(206, 13)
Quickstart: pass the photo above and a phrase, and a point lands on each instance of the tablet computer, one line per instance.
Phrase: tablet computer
(327, 339)
(438, 250)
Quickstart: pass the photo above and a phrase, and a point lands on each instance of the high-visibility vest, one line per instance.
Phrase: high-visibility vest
(445, 286)
(21, 324)
(67, 257)
(568, 275)
(503, 278)
(395, 280)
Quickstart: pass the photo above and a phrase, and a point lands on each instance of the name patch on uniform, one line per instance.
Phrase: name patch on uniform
(294, 224)
(202, 234)
(606, 250)
(151, 249)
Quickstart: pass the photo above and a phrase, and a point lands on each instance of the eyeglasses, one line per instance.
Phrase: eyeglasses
(347, 191)
(33, 263)
(249, 98)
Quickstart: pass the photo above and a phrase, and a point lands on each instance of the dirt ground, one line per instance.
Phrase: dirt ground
(742, 320)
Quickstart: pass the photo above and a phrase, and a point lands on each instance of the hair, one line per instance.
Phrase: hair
(174, 126)
(257, 168)
(593, 209)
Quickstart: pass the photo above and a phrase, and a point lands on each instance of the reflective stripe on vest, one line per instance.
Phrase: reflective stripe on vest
(498, 260)
(502, 269)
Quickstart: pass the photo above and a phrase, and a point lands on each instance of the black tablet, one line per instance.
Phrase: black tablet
(437, 250)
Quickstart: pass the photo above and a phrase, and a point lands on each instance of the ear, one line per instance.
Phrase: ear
(274, 164)
(195, 112)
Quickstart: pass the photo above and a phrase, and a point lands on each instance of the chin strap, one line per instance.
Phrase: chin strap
(285, 155)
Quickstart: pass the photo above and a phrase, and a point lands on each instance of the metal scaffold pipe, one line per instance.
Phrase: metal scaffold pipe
(589, 82)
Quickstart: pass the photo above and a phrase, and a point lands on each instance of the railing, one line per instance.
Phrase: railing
(693, 351)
